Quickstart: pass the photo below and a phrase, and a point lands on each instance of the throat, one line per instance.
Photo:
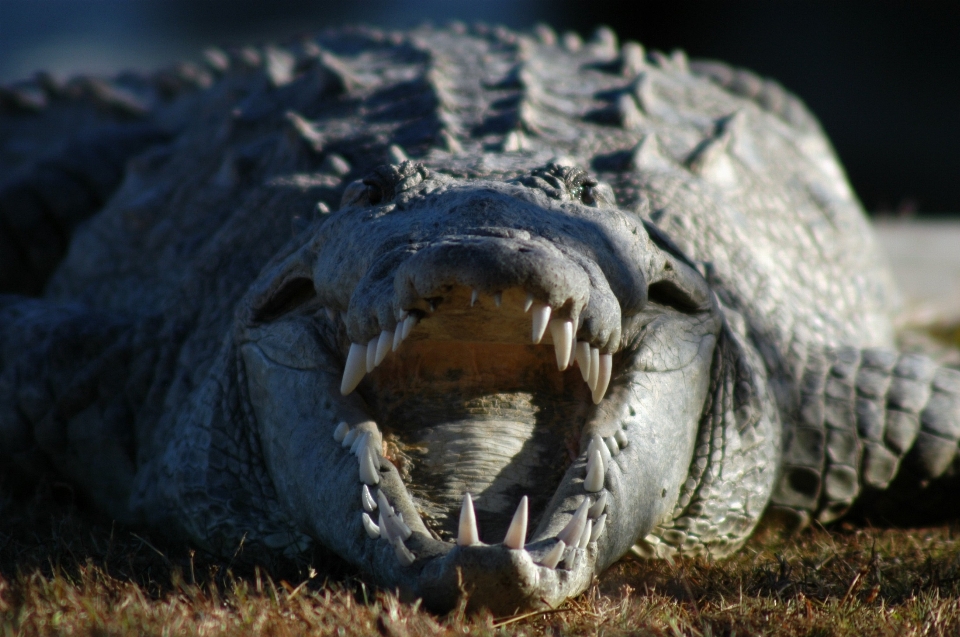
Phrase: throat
(493, 421)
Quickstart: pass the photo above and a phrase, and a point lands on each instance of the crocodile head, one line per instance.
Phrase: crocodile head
(489, 388)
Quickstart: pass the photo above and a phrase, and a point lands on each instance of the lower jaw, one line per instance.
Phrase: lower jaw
(536, 572)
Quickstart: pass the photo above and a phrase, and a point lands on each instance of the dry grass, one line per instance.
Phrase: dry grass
(66, 571)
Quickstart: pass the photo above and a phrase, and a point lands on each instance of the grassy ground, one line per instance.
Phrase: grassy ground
(66, 571)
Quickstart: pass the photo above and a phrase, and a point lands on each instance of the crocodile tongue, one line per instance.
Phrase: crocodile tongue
(497, 421)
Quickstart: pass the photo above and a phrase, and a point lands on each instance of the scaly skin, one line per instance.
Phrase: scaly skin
(618, 298)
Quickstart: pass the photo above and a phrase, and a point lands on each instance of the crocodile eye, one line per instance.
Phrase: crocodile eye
(594, 193)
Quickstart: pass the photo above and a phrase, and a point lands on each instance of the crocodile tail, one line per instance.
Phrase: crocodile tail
(867, 422)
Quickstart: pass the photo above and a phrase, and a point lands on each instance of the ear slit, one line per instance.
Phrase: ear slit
(291, 295)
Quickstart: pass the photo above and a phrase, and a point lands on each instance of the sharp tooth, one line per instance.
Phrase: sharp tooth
(612, 445)
(596, 442)
(383, 346)
(517, 533)
(498, 298)
(573, 353)
(372, 529)
(473, 297)
(598, 527)
(350, 437)
(586, 535)
(408, 325)
(402, 529)
(603, 377)
(594, 368)
(331, 315)
(594, 480)
(371, 360)
(368, 503)
(571, 533)
(384, 503)
(621, 438)
(404, 556)
(342, 430)
(528, 303)
(561, 331)
(583, 360)
(596, 509)
(355, 368)
(397, 336)
(384, 531)
(368, 468)
(359, 442)
(541, 316)
(552, 558)
(468, 533)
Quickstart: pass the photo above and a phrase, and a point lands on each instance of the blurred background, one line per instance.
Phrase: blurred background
(882, 76)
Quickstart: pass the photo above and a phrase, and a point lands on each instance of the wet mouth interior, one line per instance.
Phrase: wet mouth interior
(468, 404)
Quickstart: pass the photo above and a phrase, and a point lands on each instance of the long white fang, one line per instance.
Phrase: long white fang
(370, 526)
(598, 527)
(517, 533)
(468, 533)
(396, 527)
(397, 336)
(573, 353)
(369, 505)
(368, 468)
(612, 445)
(585, 536)
(371, 361)
(383, 346)
(350, 438)
(474, 296)
(596, 509)
(594, 368)
(342, 430)
(621, 438)
(541, 317)
(596, 442)
(355, 368)
(384, 503)
(528, 303)
(595, 470)
(603, 377)
(359, 443)
(404, 556)
(583, 360)
(498, 298)
(384, 529)
(408, 325)
(552, 558)
(561, 330)
(571, 532)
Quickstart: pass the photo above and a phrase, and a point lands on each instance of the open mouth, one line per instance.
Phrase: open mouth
(503, 397)
(480, 403)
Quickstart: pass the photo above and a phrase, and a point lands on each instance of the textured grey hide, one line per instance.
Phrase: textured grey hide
(476, 310)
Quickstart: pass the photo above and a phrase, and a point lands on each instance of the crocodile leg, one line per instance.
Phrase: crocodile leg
(864, 419)
(70, 385)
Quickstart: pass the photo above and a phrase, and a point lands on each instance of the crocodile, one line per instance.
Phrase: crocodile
(478, 311)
